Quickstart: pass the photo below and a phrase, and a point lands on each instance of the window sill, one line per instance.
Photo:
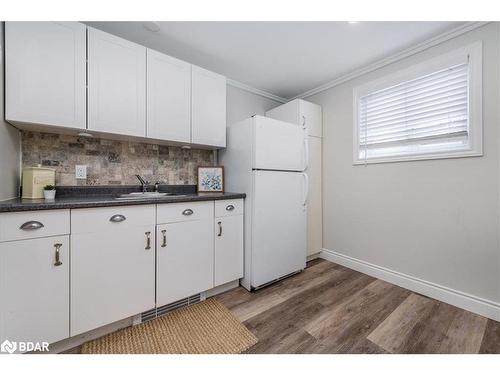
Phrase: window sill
(395, 159)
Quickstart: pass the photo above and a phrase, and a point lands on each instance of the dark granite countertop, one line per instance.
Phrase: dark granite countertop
(105, 196)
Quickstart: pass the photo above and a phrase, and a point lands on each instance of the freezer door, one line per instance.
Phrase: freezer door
(279, 145)
(278, 225)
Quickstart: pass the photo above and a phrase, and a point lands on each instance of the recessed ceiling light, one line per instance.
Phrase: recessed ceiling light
(352, 22)
(151, 26)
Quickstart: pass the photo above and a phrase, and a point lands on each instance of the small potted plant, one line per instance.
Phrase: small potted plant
(49, 192)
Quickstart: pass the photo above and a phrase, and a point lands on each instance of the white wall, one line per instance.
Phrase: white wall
(242, 104)
(434, 220)
(10, 152)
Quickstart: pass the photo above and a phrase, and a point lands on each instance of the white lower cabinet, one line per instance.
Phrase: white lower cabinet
(228, 241)
(228, 249)
(34, 289)
(96, 266)
(185, 251)
(112, 265)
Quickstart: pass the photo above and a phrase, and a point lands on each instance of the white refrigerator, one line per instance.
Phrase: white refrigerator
(266, 159)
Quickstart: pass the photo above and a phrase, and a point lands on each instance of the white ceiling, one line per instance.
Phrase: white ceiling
(283, 58)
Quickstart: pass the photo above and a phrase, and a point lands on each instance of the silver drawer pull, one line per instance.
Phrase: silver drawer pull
(31, 225)
(58, 260)
(220, 228)
(148, 240)
(188, 212)
(229, 207)
(117, 218)
(164, 240)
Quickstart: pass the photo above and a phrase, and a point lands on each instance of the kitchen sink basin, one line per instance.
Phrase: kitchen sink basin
(147, 195)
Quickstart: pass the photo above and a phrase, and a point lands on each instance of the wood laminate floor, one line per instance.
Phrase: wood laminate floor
(332, 309)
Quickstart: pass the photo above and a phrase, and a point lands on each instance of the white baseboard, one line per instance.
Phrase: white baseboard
(481, 306)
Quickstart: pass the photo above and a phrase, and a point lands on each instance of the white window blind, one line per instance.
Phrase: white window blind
(422, 115)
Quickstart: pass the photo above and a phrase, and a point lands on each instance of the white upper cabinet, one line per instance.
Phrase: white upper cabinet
(116, 85)
(208, 108)
(65, 74)
(311, 117)
(302, 113)
(45, 73)
(168, 98)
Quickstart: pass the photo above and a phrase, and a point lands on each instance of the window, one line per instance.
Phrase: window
(432, 110)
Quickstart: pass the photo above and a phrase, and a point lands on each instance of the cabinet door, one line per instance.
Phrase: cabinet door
(311, 118)
(314, 211)
(169, 98)
(112, 276)
(228, 249)
(302, 113)
(116, 85)
(34, 290)
(185, 260)
(208, 108)
(45, 73)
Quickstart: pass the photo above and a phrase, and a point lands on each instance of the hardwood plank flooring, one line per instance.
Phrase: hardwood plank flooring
(491, 339)
(332, 309)
(392, 333)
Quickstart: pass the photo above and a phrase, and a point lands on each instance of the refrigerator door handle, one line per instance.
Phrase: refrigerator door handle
(306, 188)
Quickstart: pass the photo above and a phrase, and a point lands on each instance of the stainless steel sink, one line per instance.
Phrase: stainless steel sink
(141, 195)
(146, 195)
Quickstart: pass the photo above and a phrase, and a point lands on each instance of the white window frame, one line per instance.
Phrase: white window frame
(475, 145)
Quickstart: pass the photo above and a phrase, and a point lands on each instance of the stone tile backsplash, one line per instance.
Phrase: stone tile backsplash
(112, 162)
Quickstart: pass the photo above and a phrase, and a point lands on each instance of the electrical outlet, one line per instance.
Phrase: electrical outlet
(81, 172)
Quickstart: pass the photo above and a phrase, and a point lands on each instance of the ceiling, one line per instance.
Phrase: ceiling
(282, 58)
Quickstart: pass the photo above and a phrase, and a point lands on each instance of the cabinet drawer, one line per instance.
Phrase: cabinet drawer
(186, 211)
(33, 224)
(229, 207)
(86, 220)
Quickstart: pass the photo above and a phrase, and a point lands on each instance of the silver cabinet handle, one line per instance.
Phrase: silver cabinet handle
(148, 240)
(304, 121)
(58, 260)
(188, 212)
(229, 207)
(117, 218)
(220, 229)
(164, 236)
(31, 225)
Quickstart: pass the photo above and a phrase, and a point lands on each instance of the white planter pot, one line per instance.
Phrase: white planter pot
(49, 195)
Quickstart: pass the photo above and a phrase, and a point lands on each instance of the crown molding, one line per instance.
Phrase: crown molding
(253, 90)
(453, 33)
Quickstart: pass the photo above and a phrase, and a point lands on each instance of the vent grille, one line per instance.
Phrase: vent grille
(162, 310)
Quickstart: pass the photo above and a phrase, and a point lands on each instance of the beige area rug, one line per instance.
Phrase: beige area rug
(205, 328)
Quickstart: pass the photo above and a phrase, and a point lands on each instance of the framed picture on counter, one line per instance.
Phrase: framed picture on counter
(211, 179)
